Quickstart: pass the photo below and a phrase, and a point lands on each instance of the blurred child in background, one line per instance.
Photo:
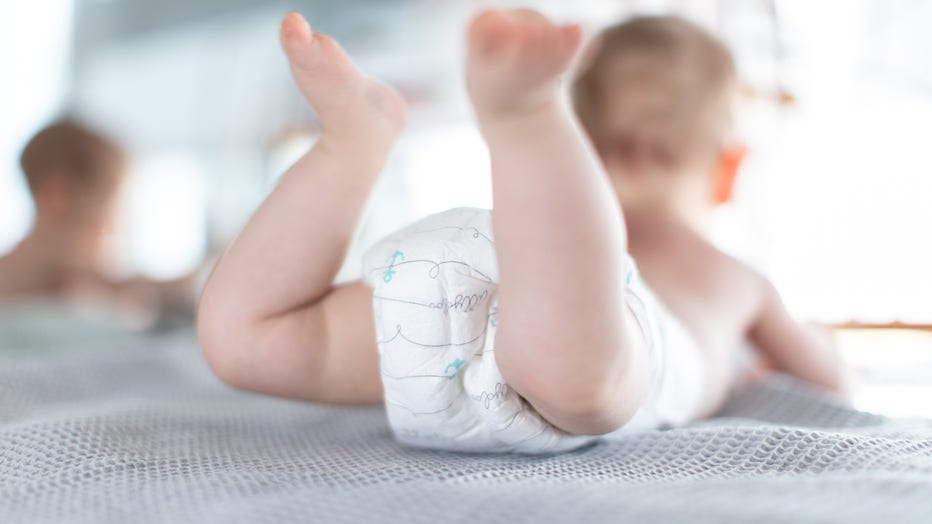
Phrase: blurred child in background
(75, 176)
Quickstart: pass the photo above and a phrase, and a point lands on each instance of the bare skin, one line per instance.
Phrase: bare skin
(31, 269)
(544, 228)
(723, 303)
(66, 240)
(62, 258)
(271, 321)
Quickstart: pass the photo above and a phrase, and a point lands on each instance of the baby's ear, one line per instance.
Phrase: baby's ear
(729, 162)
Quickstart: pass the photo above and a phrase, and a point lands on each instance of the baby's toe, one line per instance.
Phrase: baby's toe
(294, 32)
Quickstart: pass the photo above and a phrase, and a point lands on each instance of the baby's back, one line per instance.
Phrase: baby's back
(716, 297)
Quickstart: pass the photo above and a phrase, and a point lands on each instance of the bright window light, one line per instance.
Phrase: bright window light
(35, 41)
(164, 230)
(446, 166)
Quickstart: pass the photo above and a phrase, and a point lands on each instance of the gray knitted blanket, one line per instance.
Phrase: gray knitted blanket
(148, 435)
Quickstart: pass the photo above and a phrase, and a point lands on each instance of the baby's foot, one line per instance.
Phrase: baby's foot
(350, 105)
(515, 61)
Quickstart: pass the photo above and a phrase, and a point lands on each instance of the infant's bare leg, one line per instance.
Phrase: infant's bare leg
(259, 320)
(566, 340)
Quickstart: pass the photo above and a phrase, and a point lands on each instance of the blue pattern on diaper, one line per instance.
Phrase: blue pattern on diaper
(456, 365)
(390, 271)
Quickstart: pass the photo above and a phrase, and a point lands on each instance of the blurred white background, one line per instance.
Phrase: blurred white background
(833, 204)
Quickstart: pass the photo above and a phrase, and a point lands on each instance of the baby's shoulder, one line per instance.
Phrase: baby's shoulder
(728, 274)
(683, 262)
(746, 281)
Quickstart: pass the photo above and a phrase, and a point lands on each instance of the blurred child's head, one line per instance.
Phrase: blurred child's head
(655, 97)
(74, 175)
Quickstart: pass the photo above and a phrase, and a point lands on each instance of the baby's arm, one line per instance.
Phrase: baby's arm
(794, 348)
(270, 319)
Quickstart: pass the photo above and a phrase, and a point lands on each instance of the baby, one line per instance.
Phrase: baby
(75, 176)
(575, 344)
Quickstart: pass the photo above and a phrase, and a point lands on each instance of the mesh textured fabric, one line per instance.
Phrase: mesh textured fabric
(150, 436)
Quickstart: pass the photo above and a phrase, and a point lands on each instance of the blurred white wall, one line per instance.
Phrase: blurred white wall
(840, 183)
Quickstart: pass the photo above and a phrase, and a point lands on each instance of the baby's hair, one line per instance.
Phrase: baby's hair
(651, 47)
(69, 149)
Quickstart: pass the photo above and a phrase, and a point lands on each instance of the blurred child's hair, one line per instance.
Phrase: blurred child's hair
(666, 52)
(90, 161)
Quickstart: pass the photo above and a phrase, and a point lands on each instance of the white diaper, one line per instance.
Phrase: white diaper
(434, 299)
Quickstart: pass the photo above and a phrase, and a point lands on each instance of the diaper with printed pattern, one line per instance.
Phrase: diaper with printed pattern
(434, 286)
(434, 301)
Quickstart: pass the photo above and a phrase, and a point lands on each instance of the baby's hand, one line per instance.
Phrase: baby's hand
(803, 350)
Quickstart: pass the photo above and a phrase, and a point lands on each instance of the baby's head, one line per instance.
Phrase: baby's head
(74, 175)
(655, 97)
